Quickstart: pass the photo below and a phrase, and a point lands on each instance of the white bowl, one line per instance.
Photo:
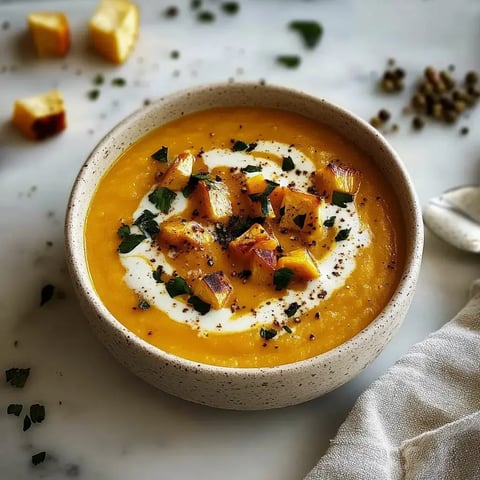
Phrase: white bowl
(243, 388)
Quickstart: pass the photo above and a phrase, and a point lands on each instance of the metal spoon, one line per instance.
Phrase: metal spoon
(454, 216)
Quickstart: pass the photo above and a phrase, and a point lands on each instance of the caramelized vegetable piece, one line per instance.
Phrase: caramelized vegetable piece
(301, 263)
(257, 184)
(41, 116)
(340, 178)
(214, 200)
(264, 263)
(255, 237)
(214, 289)
(184, 235)
(178, 174)
(50, 33)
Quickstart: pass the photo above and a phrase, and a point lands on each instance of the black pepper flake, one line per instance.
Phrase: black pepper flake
(171, 12)
(46, 294)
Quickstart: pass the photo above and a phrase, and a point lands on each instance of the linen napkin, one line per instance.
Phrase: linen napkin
(420, 420)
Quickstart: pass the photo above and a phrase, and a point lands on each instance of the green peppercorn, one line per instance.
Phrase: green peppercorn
(376, 122)
(439, 86)
(426, 88)
(388, 86)
(399, 73)
(450, 116)
(471, 78)
(418, 123)
(460, 106)
(473, 91)
(437, 110)
(398, 85)
(418, 101)
(431, 74)
(447, 79)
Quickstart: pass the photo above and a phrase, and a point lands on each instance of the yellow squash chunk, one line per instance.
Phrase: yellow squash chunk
(257, 184)
(40, 116)
(301, 263)
(184, 234)
(50, 33)
(255, 237)
(214, 200)
(178, 174)
(114, 29)
(340, 178)
(214, 289)
(264, 263)
(301, 212)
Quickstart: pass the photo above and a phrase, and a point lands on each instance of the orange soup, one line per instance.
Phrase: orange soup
(244, 237)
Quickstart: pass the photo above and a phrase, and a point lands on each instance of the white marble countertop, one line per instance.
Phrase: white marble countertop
(101, 421)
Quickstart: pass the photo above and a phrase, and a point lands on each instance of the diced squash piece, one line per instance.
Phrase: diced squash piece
(276, 198)
(301, 212)
(114, 29)
(50, 33)
(178, 173)
(337, 177)
(184, 234)
(257, 184)
(301, 263)
(264, 263)
(255, 237)
(40, 116)
(214, 289)
(214, 200)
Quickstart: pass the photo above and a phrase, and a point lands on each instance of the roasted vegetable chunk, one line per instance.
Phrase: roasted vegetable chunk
(214, 200)
(50, 33)
(184, 235)
(255, 237)
(178, 174)
(214, 289)
(257, 185)
(301, 263)
(264, 263)
(337, 177)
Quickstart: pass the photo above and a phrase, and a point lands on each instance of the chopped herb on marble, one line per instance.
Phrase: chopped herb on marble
(46, 293)
(310, 31)
(194, 4)
(38, 458)
(282, 277)
(93, 94)
(177, 286)
(37, 413)
(340, 199)
(17, 376)
(268, 333)
(199, 305)
(14, 409)
(162, 198)
(205, 17)
(174, 54)
(289, 61)
(119, 82)
(98, 79)
(27, 423)
(287, 164)
(230, 8)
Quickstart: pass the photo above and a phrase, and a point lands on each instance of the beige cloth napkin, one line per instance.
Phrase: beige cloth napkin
(421, 420)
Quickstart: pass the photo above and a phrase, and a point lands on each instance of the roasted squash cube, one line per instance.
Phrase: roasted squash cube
(40, 116)
(255, 237)
(214, 200)
(264, 263)
(257, 185)
(50, 33)
(214, 289)
(184, 234)
(337, 177)
(301, 263)
(301, 212)
(114, 29)
(178, 173)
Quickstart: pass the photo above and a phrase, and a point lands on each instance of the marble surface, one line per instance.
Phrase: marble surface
(102, 422)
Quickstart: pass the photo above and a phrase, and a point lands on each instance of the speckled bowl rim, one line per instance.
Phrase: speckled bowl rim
(79, 268)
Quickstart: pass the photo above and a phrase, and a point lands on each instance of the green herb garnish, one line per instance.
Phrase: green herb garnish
(199, 305)
(268, 333)
(310, 31)
(17, 376)
(130, 242)
(230, 8)
(143, 304)
(287, 328)
(98, 79)
(123, 231)
(239, 146)
(37, 413)
(161, 155)
(251, 146)
(194, 4)
(146, 223)
(205, 17)
(174, 54)
(287, 164)
(119, 82)
(46, 294)
(282, 277)
(27, 423)
(193, 182)
(299, 220)
(234, 228)
(177, 286)
(93, 94)
(162, 198)
(251, 169)
(341, 199)
(289, 61)
(14, 409)
(157, 274)
(342, 235)
(263, 197)
(38, 458)
(329, 222)
(292, 309)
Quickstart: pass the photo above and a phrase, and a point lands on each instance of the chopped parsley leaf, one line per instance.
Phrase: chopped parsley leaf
(282, 277)
(93, 94)
(239, 146)
(268, 333)
(46, 293)
(198, 177)
(340, 199)
(251, 169)
(123, 231)
(292, 309)
(130, 242)
(27, 423)
(251, 146)
(147, 224)
(329, 222)
(194, 4)
(342, 235)
(157, 274)
(263, 197)
(119, 82)
(287, 328)
(38, 458)
(14, 409)
(199, 305)
(162, 198)
(177, 286)
(310, 31)
(161, 155)
(98, 79)
(205, 17)
(299, 220)
(289, 61)
(174, 54)
(17, 376)
(143, 304)
(230, 8)
(37, 413)
(287, 164)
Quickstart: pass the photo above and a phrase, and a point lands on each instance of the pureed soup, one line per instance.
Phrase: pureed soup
(244, 237)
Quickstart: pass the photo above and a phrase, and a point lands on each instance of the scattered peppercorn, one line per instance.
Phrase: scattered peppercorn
(392, 78)
(171, 12)
(418, 123)
(384, 115)
(464, 131)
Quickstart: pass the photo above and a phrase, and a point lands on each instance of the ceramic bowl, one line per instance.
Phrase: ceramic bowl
(243, 388)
